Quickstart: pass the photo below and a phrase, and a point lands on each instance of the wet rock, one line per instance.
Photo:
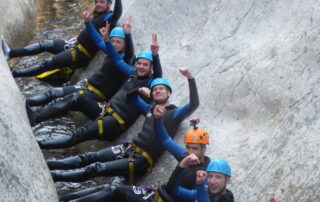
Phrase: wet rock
(24, 175)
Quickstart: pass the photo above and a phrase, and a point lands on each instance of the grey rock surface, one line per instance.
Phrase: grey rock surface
(24, 175)
(257, 68)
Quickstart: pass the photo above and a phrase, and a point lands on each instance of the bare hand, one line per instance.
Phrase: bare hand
(127, 25)
(144, 91)
(191, 159)
(104, 31)
(154, 45)
(275, 199)
(87, 14)
(201, 176)
(159, 111)
(185, 72)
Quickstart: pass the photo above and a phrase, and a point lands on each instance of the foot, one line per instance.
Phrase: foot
(5, 48)
(55, 175)
(31, 115)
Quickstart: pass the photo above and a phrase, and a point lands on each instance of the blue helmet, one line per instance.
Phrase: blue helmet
(219, 166)
(160, 81)
(145, 54)
(117, 32)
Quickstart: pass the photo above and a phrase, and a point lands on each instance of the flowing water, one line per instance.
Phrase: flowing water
(57, 19)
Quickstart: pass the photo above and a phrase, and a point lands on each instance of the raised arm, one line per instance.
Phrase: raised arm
(184, 111)
(116, 13)
(94, 35)
(202, 192)
(129, 49)
(137, 101)
(173, 185)
(157, 69)
(112, 53)
(166, 141)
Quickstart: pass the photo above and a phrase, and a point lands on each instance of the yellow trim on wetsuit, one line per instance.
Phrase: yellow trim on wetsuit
(73, 55)
(131, 162)
(83, 49)
(100, 127)
(145, 155)
(94, 90)
(115, 115)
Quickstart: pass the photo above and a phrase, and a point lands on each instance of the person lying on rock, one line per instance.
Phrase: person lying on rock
(218, 174)
(117, 115)
(131, 158)
(100, 87)
(73, 53)
(192, 158)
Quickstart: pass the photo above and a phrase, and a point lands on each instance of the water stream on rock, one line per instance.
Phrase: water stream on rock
(59, 19)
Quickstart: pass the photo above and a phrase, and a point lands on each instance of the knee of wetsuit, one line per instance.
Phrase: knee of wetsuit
(109, 188)
(77, 98)
(45, 44)
(48, 62)
(56, 93)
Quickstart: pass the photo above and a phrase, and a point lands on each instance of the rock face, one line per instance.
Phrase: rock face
(24, 175)
(257, 68)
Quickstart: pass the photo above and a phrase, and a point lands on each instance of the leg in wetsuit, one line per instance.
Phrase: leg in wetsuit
(111, 130)
(107, 192)
(86, 102)
(52, 94)
(60, 60)
(51, 46)
(112, 161)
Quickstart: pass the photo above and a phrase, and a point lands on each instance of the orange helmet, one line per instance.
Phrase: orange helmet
(197, 135)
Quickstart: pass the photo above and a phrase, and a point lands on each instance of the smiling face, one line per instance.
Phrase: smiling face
(118, 43)
(102, 5)
(217, 182)
(160, 94)
(143, 67)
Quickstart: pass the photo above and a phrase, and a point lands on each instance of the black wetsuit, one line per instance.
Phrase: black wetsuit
(107, 80)
(187, 179)
(109, 127)
(125, 193)
(74, 57)
(228, 197)
(119, 193)
(114, 161)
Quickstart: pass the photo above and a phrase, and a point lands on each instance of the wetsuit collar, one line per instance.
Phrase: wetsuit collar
(95, 13)
(227, 197)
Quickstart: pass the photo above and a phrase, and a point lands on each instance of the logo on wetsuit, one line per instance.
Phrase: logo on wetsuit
(138, 190)
(116, 149)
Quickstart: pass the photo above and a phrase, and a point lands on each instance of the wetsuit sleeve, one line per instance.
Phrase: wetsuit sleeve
(117, 61)
(202, 193)
(184, 111)
(116, 13)
(167, 142)
(129, 50)
(137, 101)
(175, 189)
(95, 36)
(157, 69)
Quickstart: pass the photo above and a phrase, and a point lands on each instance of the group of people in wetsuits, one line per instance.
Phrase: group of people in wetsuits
(113, 98)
